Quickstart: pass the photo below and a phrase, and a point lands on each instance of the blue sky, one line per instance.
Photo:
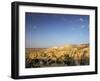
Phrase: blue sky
(47, 30)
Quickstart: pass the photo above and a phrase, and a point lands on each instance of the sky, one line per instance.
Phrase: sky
(44, 30)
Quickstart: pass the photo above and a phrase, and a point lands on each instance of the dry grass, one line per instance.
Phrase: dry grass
(67, 55)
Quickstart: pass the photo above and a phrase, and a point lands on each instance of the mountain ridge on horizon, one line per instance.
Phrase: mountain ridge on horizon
(65, 45)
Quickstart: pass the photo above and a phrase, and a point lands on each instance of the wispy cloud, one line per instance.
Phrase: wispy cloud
(34, 27)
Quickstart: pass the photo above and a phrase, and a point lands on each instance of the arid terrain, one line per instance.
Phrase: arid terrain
(66, 55)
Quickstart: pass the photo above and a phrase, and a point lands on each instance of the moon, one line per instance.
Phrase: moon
(81, 19)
